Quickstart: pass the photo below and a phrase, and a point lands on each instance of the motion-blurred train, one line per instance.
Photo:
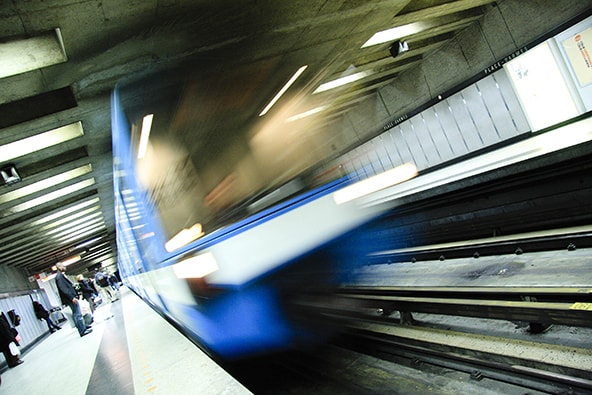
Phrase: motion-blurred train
(218, 226)
(226, 281)
(217, 241)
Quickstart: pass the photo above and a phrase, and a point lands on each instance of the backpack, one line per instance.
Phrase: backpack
(102, 280)
(14, 318)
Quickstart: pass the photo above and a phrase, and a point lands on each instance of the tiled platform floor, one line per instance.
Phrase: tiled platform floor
(132, 350)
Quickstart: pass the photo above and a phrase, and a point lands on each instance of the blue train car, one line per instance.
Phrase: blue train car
(218, 224)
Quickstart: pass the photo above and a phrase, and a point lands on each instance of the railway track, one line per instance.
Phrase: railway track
(379, 349)
(371, 358)
(342, 370)
(533, 338)
(540, 305)
(531, 365)
(511, 313)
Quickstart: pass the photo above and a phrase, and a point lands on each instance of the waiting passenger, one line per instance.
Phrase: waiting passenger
(114, 281)
(88, 290)
(7, 337)
(69, 297)
(43, 314)
(102, 280)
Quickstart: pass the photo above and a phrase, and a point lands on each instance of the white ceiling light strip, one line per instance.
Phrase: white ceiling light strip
(22, 55)
(18, 230)
(67, 211)
(48, 197)
(87, 243)
(59, 234)
(46, 183)
(92, 219)
(85, 213)
(307, 113)
(396, 33)
(24, 237)
(79, 235)
(40, 141)
(342, 81)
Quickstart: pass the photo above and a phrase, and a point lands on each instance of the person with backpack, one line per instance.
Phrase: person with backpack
(69, 297)
(102, 280)
(7, 336)
(88, 290)
(43, 314)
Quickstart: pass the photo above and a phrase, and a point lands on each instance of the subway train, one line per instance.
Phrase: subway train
(217, 248)
(222, 261)
(227, 289)
(218, 226)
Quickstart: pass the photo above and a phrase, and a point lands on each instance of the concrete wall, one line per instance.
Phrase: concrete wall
(503, 30)
(14, 279)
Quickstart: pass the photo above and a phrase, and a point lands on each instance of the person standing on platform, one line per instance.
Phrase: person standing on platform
(102, 280)
(114, 281)
(88, 290)
(43, 314)
(69, 297)
(6, 337)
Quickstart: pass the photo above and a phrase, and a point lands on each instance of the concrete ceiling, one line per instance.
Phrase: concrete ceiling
(110, 40)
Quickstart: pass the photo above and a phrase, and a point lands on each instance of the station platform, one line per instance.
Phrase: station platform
(132, 350)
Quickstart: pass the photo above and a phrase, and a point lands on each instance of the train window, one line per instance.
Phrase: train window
(195, 173)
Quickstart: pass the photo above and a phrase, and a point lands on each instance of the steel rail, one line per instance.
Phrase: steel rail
(478, 366)
(509, 293)
(562, 306)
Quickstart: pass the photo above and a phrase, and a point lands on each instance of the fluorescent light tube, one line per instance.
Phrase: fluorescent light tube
(22, 55)
(40, 141)
(342, 81)
(396, 33)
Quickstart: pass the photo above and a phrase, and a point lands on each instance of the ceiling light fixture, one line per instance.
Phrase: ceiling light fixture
(88, 213)
(30, 231)
(59, 218)
(45, 183)
(71, 260)
(59, 231)
(86, 243)
(342, 81)
(67, 211)
(396, 33)
(47, 198)
(102, 246)
(306, 113)
(22, 55)
(81, 233)
(40, 141)
(283, 90)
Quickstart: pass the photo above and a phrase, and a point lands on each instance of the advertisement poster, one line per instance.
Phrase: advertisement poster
(541, 88)
(579, 51)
